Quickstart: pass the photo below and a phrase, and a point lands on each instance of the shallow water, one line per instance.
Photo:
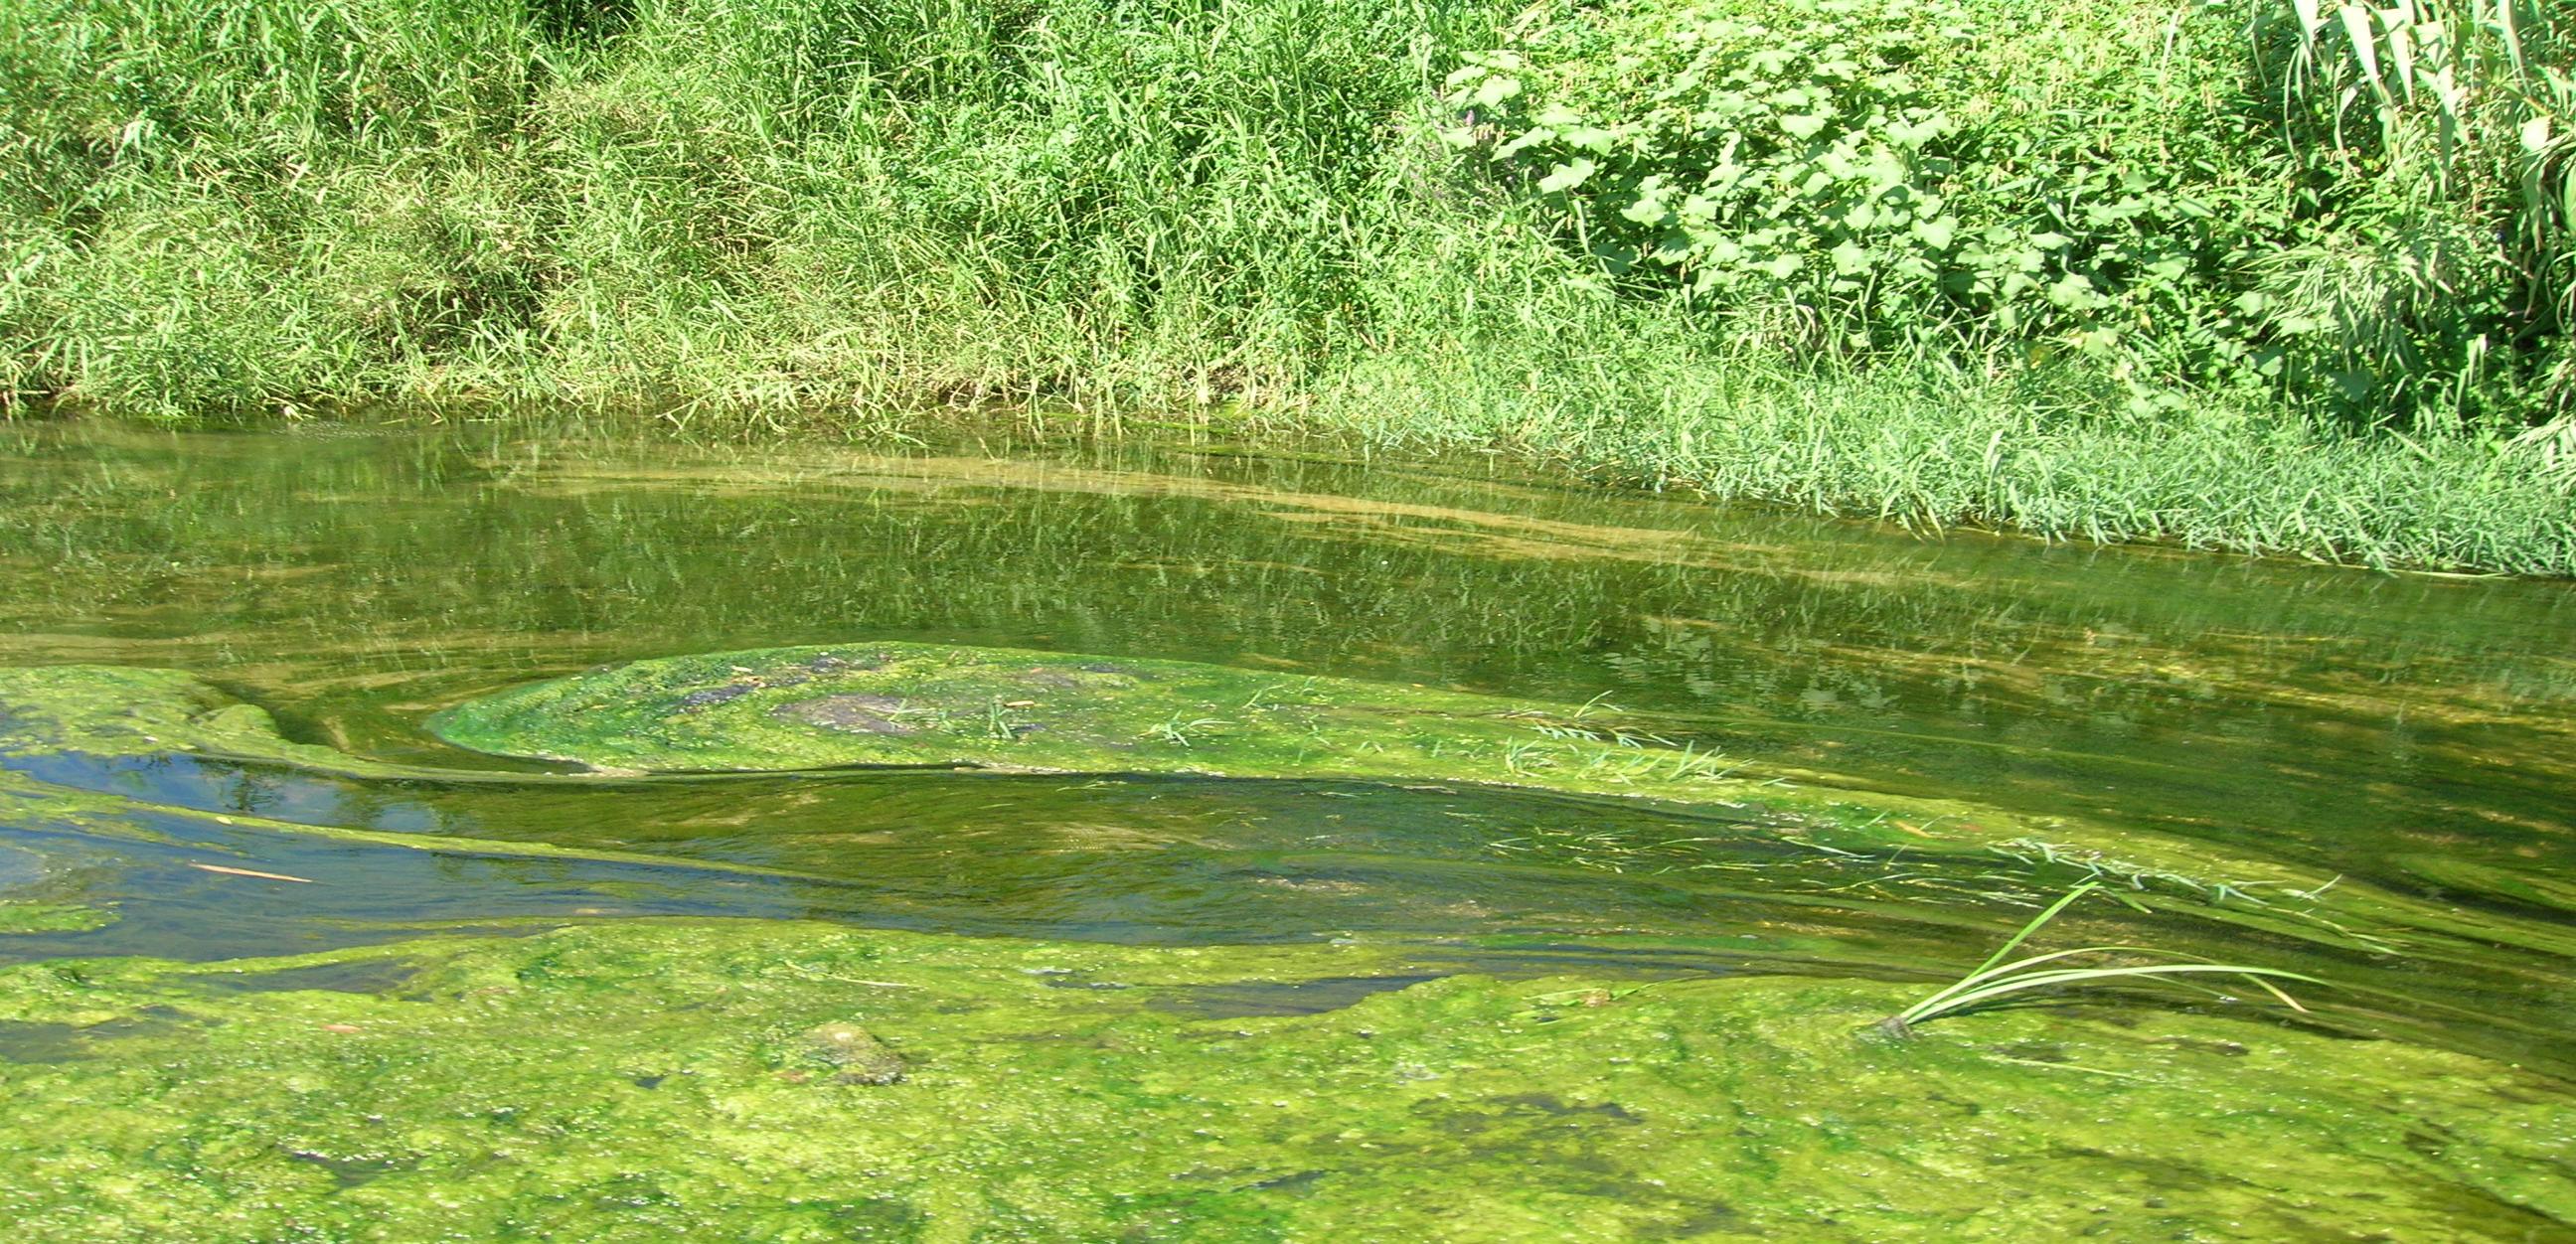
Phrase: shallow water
(2406, 735)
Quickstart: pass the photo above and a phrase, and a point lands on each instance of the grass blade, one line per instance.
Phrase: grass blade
(1995, 978)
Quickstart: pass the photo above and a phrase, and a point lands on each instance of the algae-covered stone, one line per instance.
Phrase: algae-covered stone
(82, 746)
(595, 1084)
(28, 916)
(924, 704)
(853, 1054)
(114, 710)
(899, 704)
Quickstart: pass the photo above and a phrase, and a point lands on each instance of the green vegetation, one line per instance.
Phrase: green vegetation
(164, 718)
(944, 706)
(108, 710)
(1995, 979)
(1867, 177)
(36, 916)
(146, 760)
(2295, 279)
(948, 705)
(790, 1079)
(695, 1081)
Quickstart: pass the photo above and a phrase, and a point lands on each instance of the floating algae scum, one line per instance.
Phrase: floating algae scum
(1046, 842)
(927, 704)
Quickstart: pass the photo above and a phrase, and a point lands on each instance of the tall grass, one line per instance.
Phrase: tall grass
(2471, 105)
(1242, 208)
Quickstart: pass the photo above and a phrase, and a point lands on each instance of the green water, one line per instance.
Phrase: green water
(2398, 748)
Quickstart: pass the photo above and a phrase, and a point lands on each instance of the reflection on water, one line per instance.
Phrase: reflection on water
(2412, 733)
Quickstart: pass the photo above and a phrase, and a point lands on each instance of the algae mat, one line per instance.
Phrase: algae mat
(790, 1080)
(1001, 708)
(648, 1081)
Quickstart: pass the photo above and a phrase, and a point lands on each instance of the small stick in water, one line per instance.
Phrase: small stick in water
(248, 872)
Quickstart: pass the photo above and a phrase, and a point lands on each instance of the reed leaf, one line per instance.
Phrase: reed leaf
(1995, 979)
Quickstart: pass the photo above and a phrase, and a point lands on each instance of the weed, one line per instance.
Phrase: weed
(1528, 757)
(1178, 732)
(1002, 720)
(1995, 979)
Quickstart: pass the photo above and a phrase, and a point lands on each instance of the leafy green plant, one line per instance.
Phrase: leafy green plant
(1791, 154)
(2185, 208)
(1848, 175)
(1996, 979)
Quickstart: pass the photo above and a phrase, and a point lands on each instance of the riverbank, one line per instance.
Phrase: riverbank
(2129, 295)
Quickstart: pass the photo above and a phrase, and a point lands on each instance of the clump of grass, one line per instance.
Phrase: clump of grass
(1995, 979)
(1183, 733)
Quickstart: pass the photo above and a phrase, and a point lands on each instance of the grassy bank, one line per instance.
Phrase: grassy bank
(2161, 274)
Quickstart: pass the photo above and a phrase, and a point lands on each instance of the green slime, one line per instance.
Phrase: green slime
(111, 710)
(926, 704)
(31, 916)
(648, 1080)
(885, 703)
(1014, 710)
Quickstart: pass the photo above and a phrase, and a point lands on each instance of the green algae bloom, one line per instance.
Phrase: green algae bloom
(1012, 710)
(795, 708)
(115, 710)
(922, 704)
(647, 1080)
(101, 715)
(793, 1080)
(33, 916)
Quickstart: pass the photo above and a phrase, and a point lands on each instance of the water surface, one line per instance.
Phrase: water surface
(2408, 734)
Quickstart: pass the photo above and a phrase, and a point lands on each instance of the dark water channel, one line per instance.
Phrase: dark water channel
(2409, 734)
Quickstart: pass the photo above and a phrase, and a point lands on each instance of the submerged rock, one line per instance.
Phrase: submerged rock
(714, 696)
(853, 1054)
(31, 916)
(854, 714)
(924, 704)
(1002, 709)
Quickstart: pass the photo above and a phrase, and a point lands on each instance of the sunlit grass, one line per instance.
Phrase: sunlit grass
(1995, 980)
(758, 213)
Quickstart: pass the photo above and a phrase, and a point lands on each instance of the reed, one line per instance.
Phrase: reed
(1996, 980)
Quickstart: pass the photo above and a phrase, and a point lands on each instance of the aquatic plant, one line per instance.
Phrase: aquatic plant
(1995, 979)
(901, 703)
(2035, 853)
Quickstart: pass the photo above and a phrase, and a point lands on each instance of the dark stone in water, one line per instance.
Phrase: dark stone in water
(714, 695)
(854, 714)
